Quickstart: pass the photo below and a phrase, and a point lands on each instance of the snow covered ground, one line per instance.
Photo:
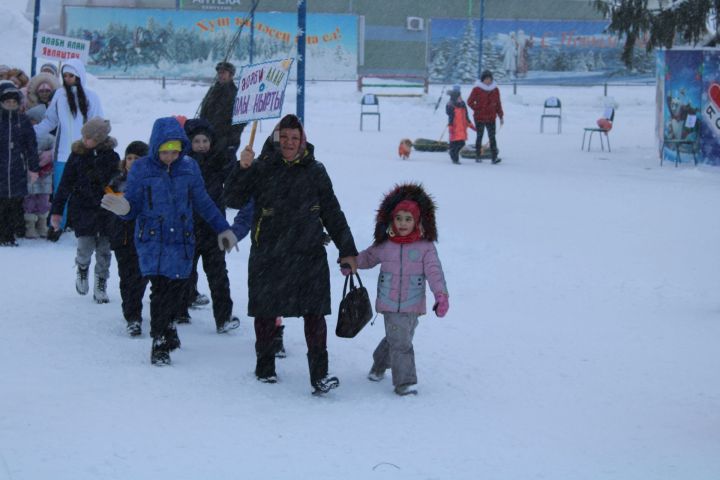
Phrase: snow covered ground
(581, 341)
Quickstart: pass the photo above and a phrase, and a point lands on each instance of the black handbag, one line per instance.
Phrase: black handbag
(355, 309)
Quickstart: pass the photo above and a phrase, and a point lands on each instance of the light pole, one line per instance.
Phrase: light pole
(482, 28)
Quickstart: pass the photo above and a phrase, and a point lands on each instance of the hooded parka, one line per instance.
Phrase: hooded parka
(162, 201)
(288, 272)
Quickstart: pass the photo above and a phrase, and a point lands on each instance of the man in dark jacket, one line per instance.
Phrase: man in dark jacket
(217, 107)
(288, 273)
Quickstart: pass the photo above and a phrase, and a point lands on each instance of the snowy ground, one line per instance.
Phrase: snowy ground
(581, 341)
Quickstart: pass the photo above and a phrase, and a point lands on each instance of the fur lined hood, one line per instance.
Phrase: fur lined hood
(79, 148)
(38, 80)
(406, 191)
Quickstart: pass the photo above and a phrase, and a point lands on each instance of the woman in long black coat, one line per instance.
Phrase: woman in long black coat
(288, 272)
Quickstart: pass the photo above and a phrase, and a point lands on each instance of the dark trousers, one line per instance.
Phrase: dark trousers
(213, 260)
(132, 283)
(315, 338)
(164, 304)
(481, 126)
(11, 216)
(455, 147)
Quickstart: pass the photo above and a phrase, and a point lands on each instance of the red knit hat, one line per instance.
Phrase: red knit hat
(409, 206)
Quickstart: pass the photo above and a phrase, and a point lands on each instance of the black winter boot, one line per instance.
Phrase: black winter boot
(319, 379)
(278, 345)
(171, 337)
(160, 354)
(265, 366)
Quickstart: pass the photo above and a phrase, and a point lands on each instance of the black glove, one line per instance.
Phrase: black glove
(54, 235)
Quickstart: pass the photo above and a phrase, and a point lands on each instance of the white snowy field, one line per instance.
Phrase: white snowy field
(581, 341)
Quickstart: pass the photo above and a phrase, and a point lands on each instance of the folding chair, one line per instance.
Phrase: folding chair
(608, 115)
(369, 105)
(552, 109)
(688, 143)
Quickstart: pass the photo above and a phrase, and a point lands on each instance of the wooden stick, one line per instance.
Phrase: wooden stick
(252, 133)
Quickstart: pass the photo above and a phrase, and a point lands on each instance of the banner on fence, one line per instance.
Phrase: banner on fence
(187, 43)
(261, 90)
(57, 47)
(536, 51)
(688, 96)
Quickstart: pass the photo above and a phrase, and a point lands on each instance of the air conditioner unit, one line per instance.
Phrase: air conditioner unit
(415, 24)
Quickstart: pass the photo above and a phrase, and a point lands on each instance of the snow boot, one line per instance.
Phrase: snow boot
(376, 373)
(30, 221)
(231, 324)
(278, 345)
(183, 318)
(133, 328)
(265, 366)
(81, 280)
(172, 338)
(409, 389)
(42, 226)
(160, 354)
(319, 379)
(100, 290)
(199, 301)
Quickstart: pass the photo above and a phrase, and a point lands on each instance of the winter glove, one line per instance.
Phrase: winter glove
(227, 240)
(345, 269)
(33, 176)
(54, 234)
(442, 305)
(115, 203)
(55, 221)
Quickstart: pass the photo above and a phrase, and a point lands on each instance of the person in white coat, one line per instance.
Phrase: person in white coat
(72, 105)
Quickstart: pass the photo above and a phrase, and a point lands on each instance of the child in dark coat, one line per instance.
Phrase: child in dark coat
(214, 167)
(90, 167)
(122, 242)
(485, 102)
(18, 162)
(163, 190)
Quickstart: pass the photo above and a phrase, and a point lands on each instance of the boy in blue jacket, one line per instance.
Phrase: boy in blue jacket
(163, 190)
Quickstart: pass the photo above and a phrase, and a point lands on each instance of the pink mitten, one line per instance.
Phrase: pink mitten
(442, 305)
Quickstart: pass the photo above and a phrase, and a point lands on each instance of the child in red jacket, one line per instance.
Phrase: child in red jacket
(485, 102)
(458, 123)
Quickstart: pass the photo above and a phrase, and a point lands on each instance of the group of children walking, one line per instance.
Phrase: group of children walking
(160, 209)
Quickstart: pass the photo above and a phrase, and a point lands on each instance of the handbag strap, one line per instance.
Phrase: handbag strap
(349, 278)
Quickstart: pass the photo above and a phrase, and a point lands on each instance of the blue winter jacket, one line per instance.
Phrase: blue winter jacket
(18, 153)
(162, 200)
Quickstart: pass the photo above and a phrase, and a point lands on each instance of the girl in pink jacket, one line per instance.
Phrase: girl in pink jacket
(404, 234)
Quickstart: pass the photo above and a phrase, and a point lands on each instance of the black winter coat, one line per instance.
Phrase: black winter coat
(82, 185)
(121, 232)
(288, 272)
(215, 168)
(216, 108)
(18, 153)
